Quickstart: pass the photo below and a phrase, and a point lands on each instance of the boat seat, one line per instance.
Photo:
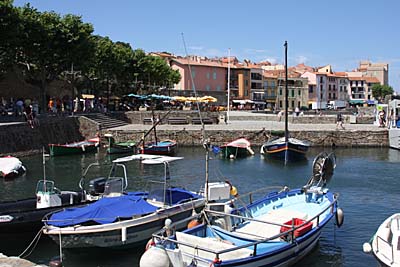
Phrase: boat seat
(257, 230)
(212, 244)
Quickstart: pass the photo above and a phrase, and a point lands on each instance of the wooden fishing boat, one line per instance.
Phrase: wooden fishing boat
(238, 148)
(292, 150)
(286, 148)
(120, 147)
(276, 230)
(124, 221)
(11, 167)
(164, 147)
(384, 243)
(81, 147)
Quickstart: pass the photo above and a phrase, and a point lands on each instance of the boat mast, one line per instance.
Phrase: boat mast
(229, 85)
(286, 106)
(206, 144)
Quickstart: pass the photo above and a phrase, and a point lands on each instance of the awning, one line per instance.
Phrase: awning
(87, 96)
(356, 101)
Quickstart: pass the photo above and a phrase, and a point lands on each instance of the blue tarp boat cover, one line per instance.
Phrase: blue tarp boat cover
(103, 211)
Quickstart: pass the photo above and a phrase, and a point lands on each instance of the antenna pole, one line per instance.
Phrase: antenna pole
(286, 106)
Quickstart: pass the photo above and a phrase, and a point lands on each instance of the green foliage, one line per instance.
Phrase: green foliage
(44, 46)
(380, 91)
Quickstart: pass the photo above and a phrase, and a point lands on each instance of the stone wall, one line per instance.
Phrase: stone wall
(21, 139)
(257, 138)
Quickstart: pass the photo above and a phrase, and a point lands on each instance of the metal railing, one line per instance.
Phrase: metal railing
(159, 234)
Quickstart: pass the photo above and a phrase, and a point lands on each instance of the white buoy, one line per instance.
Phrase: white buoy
(339, 217)
(231, 156)
(367, 247)
(155, 257)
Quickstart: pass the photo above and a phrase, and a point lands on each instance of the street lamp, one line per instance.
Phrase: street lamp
(73, 73)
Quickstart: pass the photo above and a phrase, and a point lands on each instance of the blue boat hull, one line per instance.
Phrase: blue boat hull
(260, 247)
(166, 148)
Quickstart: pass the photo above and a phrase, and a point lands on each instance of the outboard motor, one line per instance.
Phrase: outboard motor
(97, 185)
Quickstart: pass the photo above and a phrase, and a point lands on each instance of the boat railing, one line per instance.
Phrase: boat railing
(380, 248)
(159, 235)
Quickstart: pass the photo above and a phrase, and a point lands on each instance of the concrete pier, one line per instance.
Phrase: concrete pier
(16, 262)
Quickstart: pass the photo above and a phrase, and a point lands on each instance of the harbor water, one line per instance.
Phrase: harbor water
(366, 180)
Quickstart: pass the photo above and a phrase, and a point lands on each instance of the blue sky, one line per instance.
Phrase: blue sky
(340, 33)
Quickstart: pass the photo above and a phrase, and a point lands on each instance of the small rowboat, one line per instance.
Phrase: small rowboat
(74, 148)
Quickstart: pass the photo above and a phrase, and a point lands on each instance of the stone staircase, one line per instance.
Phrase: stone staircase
(105, 122)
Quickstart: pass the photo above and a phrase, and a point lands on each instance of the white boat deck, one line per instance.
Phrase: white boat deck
(259, 230)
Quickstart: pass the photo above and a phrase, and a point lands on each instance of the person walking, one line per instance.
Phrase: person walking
(339, 121)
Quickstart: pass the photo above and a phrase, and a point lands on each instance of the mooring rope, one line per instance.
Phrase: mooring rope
(34, 241)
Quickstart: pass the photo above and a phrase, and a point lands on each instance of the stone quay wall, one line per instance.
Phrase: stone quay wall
(20, 139)
(336, 138)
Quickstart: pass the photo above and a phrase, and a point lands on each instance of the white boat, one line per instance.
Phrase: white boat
(11, 167)
(384, 245)
(127, 220)
(394, 123)
(276, 230)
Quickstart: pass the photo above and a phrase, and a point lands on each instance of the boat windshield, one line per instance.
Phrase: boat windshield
(44, 186)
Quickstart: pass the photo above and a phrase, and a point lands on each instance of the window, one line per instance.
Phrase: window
(265, 84)
(329, 87)
(334, 96)
(280, 91)
(214, 75)
(207, 87)
(219, 88)
(292, 91)
(298, 104)
(280, 104)
(321, 79)
(193, 73)
(334, 87)
(299, 92)
(310, 89)
(330, 96)
(208, 75)
(292, 103)
(272, 83)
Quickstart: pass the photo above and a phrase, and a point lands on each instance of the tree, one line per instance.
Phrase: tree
(10, 28)
(380, 91)
(43, 45)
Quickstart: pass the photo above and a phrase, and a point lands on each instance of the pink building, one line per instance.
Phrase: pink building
(209, 76)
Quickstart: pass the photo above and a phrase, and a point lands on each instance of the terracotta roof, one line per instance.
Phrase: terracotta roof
(357, 78)
(371, 80)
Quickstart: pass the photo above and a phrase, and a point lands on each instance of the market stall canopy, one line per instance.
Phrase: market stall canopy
(87, 96)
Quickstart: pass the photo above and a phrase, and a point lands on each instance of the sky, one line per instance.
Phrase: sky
(340, 33)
